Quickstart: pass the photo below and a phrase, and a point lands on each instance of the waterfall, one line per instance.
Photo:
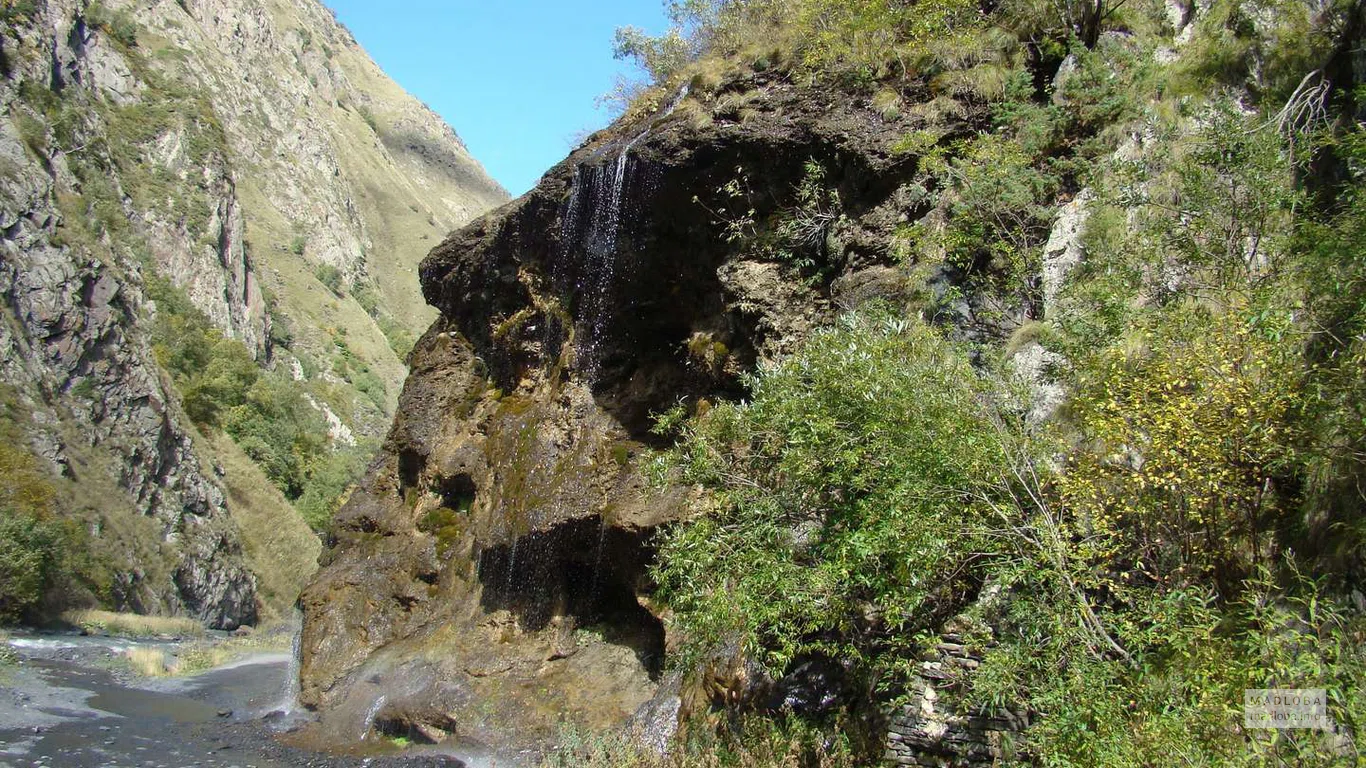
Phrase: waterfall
(289, 694)
(368, 723)
(295, 664)
(604, 190)
(595, 590)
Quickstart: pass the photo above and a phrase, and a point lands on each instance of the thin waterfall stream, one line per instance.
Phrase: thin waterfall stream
(605, 191)
(593, 219)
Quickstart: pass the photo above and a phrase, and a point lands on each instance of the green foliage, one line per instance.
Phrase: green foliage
(330, 277)
(118, 24)
(1201, 411)
(367, 297)
(281, 326)
(796, 234)
(855, 40)
(281, 431)
(354, 370)
(751, 742)
(14, 11)
(1333, 273)
(1194, 658)
(842, 505)
(400, 339)
(865, 36)
(999, 199)
(660, 56)
(446, 524)
(698, 26)
(264, 412)
(1143, 555)
(368, 116)
(1160, 569)
(329, 484)
(32, 539)
(30, 557)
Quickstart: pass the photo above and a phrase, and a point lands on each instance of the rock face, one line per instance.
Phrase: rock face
(493, 567)
(231, 148)
(84, 372)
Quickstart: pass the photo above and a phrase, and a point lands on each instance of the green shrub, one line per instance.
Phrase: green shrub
(278, 428)
(118, 24)
(32, 539)
(30, 558)
(400, 339)
(330, 483)
(265, 412)
(844, 500)
(330, 277)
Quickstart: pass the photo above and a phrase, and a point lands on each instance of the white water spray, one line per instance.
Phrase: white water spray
(368, 724)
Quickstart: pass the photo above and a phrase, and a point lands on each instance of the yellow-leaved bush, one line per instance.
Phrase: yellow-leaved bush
(1186, 441)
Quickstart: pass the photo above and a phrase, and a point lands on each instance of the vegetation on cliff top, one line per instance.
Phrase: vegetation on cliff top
(1189, 525)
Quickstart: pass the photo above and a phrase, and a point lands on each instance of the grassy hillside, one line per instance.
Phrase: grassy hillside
(281, 549)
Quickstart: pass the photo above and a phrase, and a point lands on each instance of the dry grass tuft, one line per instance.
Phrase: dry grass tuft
(887, 102)
(133, 625)
(150, 662)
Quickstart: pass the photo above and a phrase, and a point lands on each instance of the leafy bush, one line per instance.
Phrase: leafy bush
(278, 428)
(329, 484)
(1186, 445)
(265, 412)
(32, 539)
(1333, 408)
(330, 277)
(1190, 525)
(844, 500)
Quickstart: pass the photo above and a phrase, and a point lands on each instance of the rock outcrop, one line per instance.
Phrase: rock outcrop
(504, 536)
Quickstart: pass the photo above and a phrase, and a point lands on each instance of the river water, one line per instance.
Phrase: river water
(69, 703)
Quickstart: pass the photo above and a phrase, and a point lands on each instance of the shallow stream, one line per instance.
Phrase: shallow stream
(70, 702)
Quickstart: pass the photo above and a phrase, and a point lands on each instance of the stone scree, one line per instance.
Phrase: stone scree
(927, 731)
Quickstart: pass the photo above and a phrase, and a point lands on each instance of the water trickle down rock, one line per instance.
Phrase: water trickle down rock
(604, 199)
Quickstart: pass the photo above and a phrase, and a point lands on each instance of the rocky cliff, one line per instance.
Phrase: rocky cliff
(491, 576)
(250, 156)
(1033, 205)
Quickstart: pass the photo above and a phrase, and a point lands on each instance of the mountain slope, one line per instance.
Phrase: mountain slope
(212, 215)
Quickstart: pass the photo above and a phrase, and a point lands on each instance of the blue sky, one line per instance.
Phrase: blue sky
(517, 79)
